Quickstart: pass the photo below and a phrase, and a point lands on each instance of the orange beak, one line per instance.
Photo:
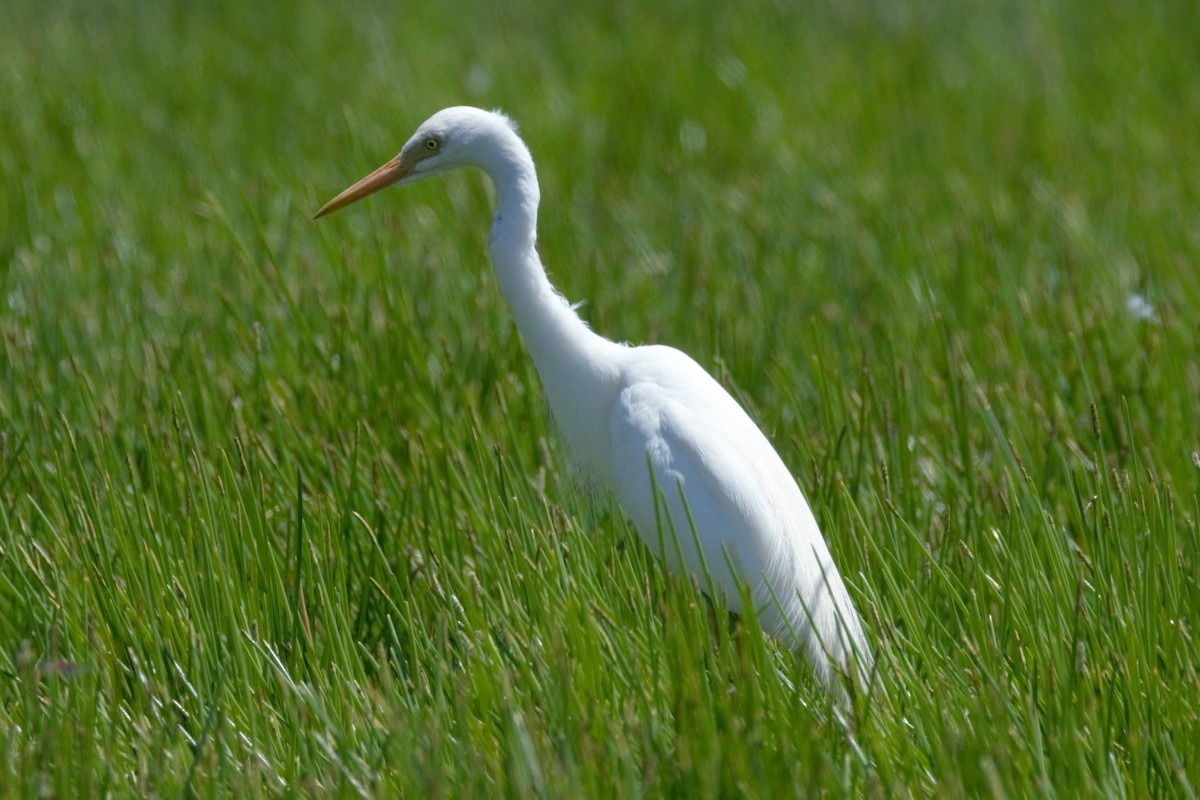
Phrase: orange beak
(386, 175)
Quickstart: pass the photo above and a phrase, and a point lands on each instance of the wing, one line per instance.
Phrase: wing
(715, 500)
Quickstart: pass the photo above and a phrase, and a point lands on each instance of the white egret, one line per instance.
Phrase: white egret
(703, 486)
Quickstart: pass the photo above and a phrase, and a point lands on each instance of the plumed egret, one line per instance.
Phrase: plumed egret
(703, 486)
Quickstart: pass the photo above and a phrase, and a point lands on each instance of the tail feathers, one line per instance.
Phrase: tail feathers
(826, 626)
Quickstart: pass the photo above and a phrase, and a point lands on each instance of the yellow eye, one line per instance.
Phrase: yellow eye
(431, 144)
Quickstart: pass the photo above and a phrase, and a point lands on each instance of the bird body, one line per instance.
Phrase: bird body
(703, 486)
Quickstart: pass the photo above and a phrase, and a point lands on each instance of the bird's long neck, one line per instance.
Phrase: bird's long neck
(543, 316)
(576, 365)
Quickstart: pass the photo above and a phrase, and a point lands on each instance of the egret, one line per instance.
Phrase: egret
(703, 486)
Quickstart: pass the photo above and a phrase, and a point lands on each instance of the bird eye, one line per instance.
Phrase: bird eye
(431, 144)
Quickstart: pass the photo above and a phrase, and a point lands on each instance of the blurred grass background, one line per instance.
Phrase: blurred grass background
(280, 509)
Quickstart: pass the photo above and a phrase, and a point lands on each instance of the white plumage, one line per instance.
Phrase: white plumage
(703, 486)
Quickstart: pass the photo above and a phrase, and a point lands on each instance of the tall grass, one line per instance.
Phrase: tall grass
(281, 511)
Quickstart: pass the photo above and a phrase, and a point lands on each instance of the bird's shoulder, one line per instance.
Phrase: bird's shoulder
(674, 371)
(679, 419)
(664, 389)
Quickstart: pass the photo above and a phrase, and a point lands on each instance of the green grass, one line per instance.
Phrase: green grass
(281, 512)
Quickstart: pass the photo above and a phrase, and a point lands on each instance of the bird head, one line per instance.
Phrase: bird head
(453, 137)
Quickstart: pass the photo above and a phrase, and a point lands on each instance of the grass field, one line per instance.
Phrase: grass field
(282, 513)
